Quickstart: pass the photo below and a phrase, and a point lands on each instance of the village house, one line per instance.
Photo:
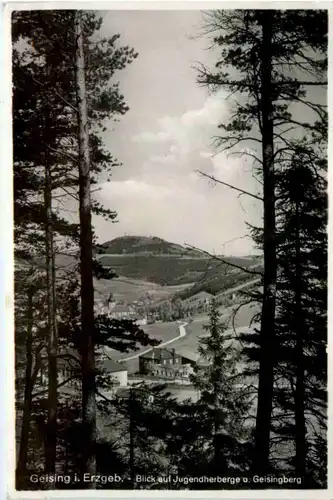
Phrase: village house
(118, 372)
(125, 311)
(119, 311)
(69, 374)
(122, 311)
(162, 362)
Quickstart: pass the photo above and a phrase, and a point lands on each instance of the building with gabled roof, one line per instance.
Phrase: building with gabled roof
(122, 311)
(163, 362)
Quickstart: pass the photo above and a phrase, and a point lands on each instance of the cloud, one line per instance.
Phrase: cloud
(210, 114)
(151, 137)
(133, 189)
(190, 131)
(178, 147)
(190, 211)
(168, 158)
(205, 154)
(166, 196)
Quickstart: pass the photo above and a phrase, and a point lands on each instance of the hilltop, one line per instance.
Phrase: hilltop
(158, 261)
(130, 245)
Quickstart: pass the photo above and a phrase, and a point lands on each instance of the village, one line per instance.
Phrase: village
(172, 362)
(162, 364)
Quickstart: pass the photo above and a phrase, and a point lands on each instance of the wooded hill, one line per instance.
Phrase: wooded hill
(159, 261)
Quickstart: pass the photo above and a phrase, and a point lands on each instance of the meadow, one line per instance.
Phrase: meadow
(128, 289)
(188, 345)
(171, 269)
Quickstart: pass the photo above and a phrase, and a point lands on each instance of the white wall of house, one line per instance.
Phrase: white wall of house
(121, 377)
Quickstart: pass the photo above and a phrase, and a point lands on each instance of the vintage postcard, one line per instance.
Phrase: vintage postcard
(170, 250)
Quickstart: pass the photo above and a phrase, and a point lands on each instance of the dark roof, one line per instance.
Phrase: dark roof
(187, 353)
(159, 353)
(68, 358)
(112, 366)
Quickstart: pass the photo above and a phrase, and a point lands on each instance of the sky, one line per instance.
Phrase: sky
(167, 136)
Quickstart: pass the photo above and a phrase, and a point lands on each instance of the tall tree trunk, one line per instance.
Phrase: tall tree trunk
(267, 333)
(87, 290)
(51, 429)
(24, 437)
(300, 425)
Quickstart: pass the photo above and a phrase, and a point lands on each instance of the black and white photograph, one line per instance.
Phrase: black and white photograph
(170, 248)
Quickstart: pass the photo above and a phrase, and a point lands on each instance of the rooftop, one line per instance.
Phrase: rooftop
(163, 353)
(187, 352)
(159, 353)
(112, 366)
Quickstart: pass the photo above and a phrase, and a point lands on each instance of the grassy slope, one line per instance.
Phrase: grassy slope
(169, 270)
(152, 266)
(196, 329)
(129, 290)
(159, 261)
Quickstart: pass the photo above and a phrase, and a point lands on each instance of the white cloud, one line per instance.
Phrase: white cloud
(210, 114)
(168, 158)
(166, 196)
(205, 154)
(133, 188)
(158, 191)
(151, 137)
(192, 130)
(190, 211)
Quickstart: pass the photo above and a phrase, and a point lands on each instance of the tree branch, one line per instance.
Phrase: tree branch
(220, 259)
(218, 181)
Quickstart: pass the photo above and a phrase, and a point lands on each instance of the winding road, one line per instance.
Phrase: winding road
(182, 333)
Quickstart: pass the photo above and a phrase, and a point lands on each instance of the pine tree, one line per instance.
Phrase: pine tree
(44, 76)
(29, 348)
(301, 371)
(275, 57)
(224, 399)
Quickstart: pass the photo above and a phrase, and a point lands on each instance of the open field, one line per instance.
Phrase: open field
(162, 331)
(128, 289)
(195, 330)
(172, 269)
